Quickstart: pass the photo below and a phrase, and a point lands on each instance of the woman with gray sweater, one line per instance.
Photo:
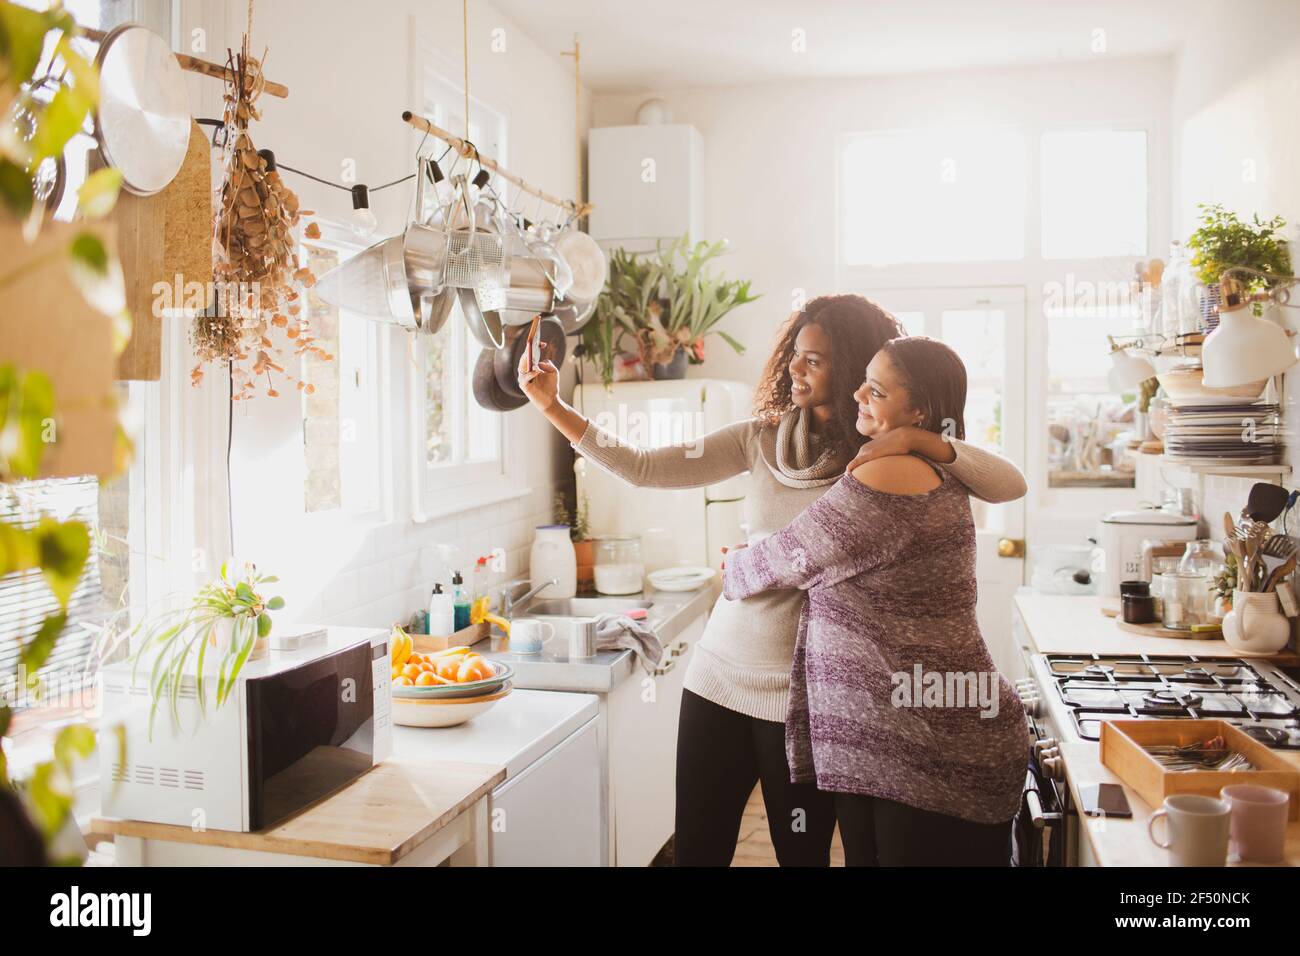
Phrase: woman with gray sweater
(895, 706)
(731, 731)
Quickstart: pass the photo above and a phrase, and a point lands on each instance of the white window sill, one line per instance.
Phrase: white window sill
(454, 501)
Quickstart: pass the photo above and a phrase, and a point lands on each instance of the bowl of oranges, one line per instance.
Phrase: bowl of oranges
(443, 688)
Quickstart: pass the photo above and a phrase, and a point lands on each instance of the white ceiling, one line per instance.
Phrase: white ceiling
(631, 46)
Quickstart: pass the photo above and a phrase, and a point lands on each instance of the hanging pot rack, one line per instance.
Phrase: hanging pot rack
(468, 150)
(194, 65)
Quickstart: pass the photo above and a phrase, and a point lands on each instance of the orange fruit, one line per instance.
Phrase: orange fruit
(404, 682)
(447, 667)
(473, 668)
(411, 670)
(426, 679)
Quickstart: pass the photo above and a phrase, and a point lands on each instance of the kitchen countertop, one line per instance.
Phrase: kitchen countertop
(1071, 625)
(514, 733)
(552, 668)
(1058, 624)
(379, 818)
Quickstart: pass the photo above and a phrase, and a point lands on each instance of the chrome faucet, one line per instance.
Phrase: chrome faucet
(508, 600)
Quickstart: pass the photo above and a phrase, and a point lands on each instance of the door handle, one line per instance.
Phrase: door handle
(1011, 547)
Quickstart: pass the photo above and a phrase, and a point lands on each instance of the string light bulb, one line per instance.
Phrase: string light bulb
(364, 222)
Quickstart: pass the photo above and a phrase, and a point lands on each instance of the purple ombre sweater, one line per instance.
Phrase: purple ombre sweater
(892, 690)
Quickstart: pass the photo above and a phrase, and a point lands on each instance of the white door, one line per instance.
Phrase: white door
(986, 327)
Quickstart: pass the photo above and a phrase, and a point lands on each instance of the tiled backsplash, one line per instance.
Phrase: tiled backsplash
(392, 575)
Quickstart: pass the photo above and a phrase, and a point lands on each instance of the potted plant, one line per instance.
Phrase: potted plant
(1223, 240)
(656, 310)
(229, 617)
(584, 546)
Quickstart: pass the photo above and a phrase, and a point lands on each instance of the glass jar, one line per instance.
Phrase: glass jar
(1201, 557)
(1186, 598)
(619, 568)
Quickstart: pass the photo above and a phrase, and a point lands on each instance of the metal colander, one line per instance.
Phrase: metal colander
(479, 262)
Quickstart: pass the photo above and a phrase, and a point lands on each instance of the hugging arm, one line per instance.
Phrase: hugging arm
(714, 457)
(828, 537)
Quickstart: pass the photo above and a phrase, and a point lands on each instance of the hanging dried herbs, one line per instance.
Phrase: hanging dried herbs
(258, 315)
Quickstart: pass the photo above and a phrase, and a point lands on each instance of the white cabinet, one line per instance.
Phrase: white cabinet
(550, 815)
(646, 183)
(642, 715)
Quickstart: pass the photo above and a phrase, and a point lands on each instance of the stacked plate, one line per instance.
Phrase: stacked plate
(1224, 433)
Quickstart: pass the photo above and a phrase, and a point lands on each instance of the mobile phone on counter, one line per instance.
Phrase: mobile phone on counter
(1105, 800)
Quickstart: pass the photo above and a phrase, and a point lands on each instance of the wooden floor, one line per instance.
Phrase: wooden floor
(754, 847)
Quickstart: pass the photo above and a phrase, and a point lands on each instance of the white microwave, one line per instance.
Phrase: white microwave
(298, 725)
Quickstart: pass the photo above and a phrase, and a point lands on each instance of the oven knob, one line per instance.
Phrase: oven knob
(1053, 767)
(1045, 744)
(1033, 706)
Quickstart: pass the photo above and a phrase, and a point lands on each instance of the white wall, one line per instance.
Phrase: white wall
(1237, 132)
(351, 69)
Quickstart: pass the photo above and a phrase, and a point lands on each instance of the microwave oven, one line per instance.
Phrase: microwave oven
(298, 725)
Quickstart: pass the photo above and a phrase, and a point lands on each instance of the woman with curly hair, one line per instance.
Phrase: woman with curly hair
(800, 441)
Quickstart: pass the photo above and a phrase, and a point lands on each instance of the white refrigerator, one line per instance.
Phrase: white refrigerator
(677, 527)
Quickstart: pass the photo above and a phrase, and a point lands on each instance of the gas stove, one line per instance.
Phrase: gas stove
(1255, 696)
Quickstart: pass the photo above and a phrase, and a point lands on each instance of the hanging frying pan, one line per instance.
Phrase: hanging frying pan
(507, 359)
(487, 390)
(142, 120)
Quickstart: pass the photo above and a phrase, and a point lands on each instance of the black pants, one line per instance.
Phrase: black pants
(879, 832)
(720, 756)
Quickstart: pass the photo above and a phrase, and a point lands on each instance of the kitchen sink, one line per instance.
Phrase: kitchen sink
(580, 606)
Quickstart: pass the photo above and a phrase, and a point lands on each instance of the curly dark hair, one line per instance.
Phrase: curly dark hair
(858, 328)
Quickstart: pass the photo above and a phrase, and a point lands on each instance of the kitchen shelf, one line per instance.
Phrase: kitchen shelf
(1227, 469)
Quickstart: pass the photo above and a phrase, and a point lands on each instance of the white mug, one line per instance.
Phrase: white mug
(1197, 829)
(1259, 816)
(526, 635)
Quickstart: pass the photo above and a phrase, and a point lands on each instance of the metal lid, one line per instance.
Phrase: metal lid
(1148, 516)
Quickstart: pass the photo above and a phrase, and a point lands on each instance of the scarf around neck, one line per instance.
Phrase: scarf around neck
(797, 458)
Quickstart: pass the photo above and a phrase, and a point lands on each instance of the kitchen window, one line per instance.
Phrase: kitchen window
(922, 196)
(341, 424)
(1093, 193)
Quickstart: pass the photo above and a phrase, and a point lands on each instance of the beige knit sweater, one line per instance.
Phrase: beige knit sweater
(743, 660)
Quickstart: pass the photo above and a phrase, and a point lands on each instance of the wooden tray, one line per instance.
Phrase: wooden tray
(1123, 750)
(1159, 630)
(465, 637)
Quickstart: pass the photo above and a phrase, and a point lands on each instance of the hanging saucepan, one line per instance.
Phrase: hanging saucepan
(529, 292)
(397, 280)
(507, 359)
(142, 119)
(573, 314)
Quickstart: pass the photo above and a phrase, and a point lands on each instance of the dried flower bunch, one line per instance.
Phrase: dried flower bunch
(259, 311)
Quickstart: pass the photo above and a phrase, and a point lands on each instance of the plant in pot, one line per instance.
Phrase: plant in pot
(229, 617)
(656, 310)
(584, 545)
(1222, 240)
(693, 301)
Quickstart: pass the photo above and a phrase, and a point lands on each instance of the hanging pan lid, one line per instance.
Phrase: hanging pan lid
(142, 120)
(487, 390)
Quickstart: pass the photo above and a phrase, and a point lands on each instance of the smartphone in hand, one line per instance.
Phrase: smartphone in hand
(532, 342)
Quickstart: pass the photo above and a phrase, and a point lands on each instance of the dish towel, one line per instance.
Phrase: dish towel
(618, 631)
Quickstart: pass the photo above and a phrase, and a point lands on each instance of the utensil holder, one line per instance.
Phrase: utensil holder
(1256, 625)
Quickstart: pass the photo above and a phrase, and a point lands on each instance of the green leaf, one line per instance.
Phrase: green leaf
(60, 121)
(87, 250)
(263, 625)
(245, 594)
(50, 804)
(22, 39)
(6, 715)
(740, 349)
(98, 194)
(64, 548)
(73, 742)
(16, 189)
(275, 604)
(38, 649)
